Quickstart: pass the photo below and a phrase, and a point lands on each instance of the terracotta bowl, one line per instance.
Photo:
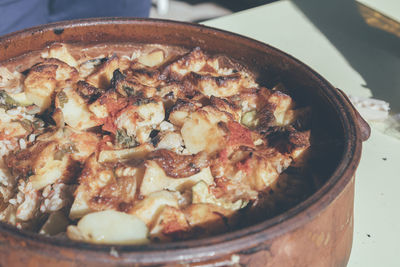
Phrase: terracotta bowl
(316, 232)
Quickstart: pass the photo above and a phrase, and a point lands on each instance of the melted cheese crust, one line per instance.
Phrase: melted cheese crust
(175, 144)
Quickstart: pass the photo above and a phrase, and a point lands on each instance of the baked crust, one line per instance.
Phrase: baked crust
(181, 141)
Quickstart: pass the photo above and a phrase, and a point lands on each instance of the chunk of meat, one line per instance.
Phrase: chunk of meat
(152, 205)
(201, 131)
(170, 224)
(155, 179)
(182, 110)
(153, 58)
(76, 113)
(60, 52)
(11, 82)
(101, 77)
(42, 164)
(179, 166)
(44, 78)
(192, 62)
(208, 218)
(139, 119)
(103, 187)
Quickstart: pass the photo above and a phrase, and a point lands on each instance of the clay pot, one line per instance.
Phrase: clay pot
(316, 232)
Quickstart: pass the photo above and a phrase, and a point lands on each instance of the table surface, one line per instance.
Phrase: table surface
(293, 27)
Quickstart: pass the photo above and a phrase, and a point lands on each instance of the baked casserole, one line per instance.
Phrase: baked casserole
(127, 144)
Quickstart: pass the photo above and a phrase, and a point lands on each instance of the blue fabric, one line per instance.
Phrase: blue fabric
(74, 9)
(19, 14)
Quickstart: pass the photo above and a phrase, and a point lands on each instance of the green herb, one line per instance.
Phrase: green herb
(62, 98)
(26, 124)
(29, 173)
(38, 123)
(68, 148)
(249, 119)
(6, 101)
(128, 90)
(143, 101)
(124, 140)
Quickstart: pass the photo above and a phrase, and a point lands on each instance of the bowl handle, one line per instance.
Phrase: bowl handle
(364, 127)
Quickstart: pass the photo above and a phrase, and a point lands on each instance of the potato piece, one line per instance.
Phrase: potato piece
(7, 183)
(84, 142)
(47, 169)
(3, 205)
(191, 62)
(21, 99)
(103, 187)
(149, 208)
(170, 223)
(154, 58)
(207, 216)
(201, 132)
(228, 106)
(143, 115)
(12, 125)
(43, 79)
(78, 144)
(76, 113)
(98, 109)
(139, 120)
(301, 115)
(40, 84)
(80, 206)
(151, 113)
(119, 193)
(219, 86)
(101, 77)
(181, 110)
(300, 142)
(297, 152)
(53, 170)
(170, 140)
(283, 103)
(155, 179)
(28, 209)
(138, 152)
(143, 134)
(11, 82)
(109, 227)
(9, 214)
(60, 51)
(178, 117)
(201, 194)
(91, 179)
(263, 170)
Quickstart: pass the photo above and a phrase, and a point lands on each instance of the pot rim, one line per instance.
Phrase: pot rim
(231, 242)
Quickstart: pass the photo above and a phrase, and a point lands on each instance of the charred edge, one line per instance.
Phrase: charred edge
(58, 31)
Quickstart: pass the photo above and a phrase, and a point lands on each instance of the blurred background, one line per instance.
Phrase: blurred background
(200, 10)
(365, 32)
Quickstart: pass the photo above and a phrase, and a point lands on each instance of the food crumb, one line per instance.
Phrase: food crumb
(114, 252)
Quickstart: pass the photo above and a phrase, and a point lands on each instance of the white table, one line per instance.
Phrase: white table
(377, 198)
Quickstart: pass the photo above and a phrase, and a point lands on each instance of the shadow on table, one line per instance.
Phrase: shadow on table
(374, 53)
(233, 5)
